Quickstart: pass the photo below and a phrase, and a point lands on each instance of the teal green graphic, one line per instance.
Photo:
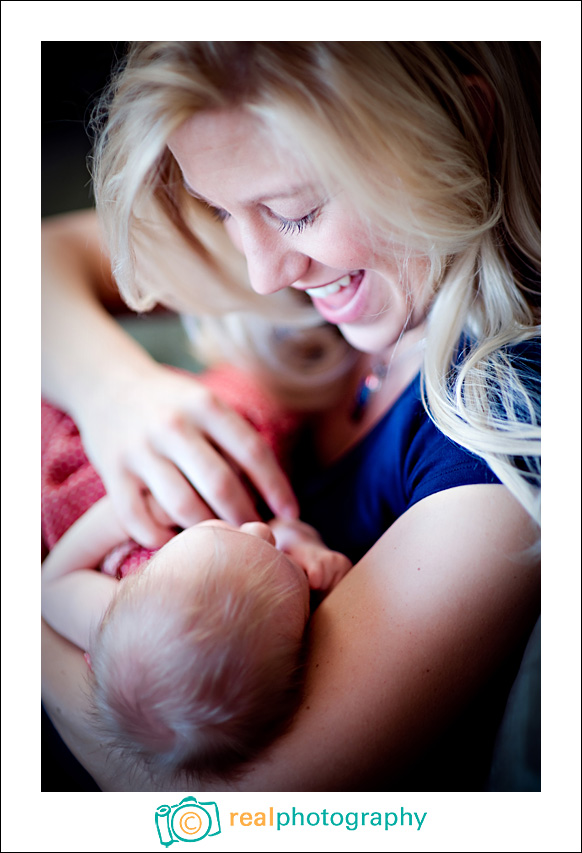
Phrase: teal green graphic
(189, 820)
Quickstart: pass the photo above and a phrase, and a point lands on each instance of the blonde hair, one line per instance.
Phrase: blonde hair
(195, 670)
(403, 127)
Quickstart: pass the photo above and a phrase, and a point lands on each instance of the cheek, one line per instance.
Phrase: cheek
(344, 247)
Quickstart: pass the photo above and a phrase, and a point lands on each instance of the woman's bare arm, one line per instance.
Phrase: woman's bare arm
(419, 623)
(79, 334)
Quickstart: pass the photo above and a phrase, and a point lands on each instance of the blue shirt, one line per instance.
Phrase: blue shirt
(402, 460)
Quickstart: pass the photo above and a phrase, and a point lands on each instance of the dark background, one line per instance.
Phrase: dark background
(74, 73)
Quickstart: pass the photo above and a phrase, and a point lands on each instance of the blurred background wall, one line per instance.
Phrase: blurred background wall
(73, 75)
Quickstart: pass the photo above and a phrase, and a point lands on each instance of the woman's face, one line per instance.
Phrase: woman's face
(293, 234)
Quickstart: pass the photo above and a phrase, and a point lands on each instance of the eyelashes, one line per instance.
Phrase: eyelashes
(219, 214)
(286, 226)
(296, 226)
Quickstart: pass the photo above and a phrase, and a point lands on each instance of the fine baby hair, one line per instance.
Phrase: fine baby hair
(192, 670)
(436, 144)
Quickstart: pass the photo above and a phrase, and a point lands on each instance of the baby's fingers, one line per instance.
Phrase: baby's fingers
(325, 569)
(339, 567)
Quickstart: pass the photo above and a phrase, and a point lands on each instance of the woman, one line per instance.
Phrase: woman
(394, 188)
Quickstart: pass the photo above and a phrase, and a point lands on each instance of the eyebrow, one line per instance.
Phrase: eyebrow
(294, 191)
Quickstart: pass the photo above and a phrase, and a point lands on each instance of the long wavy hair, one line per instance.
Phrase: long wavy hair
(437, 144)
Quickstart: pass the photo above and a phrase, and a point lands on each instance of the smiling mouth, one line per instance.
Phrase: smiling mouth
(327, 290)
(341, 300)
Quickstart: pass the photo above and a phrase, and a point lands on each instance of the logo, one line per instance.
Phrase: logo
(187, 821)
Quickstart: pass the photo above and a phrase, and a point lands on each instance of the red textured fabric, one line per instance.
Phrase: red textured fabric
(70, 485)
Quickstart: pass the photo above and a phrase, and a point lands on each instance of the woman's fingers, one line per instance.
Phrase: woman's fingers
(217, 483)
(155, 496)
(131, 501)
(172, 496)
(174, 438)
(156, 511)
(243, 444)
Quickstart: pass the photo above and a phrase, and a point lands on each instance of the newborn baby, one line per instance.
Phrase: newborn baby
(195, 659)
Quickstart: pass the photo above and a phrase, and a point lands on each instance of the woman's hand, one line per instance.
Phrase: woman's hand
(170, 453)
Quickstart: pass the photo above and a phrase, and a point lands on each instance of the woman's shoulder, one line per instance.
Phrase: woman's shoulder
(429, 461)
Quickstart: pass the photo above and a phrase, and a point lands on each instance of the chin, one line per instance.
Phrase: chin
(368, 338)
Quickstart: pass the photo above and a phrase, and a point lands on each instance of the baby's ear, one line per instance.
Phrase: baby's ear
(483, 99)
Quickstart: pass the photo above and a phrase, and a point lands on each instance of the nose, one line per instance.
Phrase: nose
(258, 529)
(272, 263)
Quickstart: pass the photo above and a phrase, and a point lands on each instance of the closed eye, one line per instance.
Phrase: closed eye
(286, 226)
(296, 226)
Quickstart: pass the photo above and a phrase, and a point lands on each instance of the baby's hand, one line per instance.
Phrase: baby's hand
(324, 568)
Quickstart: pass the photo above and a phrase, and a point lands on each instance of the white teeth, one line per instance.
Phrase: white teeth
(322, 292)
(343, 282)
(329, 289)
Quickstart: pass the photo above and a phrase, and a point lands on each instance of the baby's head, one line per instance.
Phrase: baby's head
(196, 661)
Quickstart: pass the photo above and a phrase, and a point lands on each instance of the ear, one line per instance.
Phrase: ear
(484, 102)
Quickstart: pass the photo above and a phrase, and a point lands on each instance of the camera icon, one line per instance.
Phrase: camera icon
(189, 820)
